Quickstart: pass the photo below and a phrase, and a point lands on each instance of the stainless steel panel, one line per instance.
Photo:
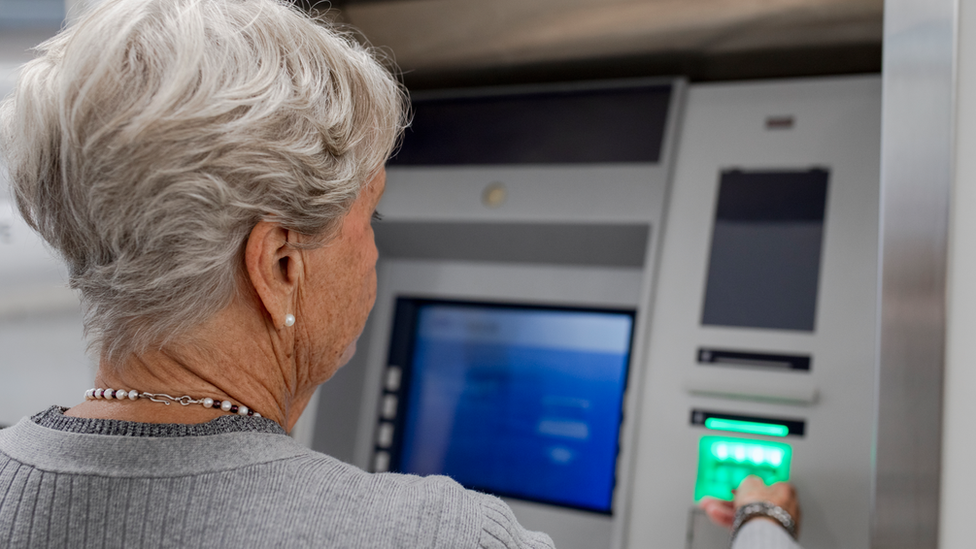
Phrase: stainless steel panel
(917, 135)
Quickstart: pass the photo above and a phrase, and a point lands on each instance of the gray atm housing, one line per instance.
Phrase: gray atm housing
(594, 235)
(835, 125)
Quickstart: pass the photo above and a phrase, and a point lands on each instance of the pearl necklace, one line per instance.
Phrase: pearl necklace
(121, 394)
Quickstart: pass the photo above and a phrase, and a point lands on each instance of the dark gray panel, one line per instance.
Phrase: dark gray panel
(764, 265)
(556, 244)
(763, 275)
(621, 123)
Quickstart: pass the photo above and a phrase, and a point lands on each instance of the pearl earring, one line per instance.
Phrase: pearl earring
(289, 320)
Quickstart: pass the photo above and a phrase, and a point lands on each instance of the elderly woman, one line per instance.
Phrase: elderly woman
(208, 170)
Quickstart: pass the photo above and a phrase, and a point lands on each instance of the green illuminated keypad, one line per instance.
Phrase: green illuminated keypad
(723, 462)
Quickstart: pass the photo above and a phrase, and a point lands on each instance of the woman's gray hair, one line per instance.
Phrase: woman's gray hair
(147, 140)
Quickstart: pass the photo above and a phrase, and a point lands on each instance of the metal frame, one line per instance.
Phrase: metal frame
(916, 180)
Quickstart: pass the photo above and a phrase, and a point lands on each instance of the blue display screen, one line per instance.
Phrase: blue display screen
(517, 401)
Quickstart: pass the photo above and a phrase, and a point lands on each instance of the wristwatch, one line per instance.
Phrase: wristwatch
(763, 509)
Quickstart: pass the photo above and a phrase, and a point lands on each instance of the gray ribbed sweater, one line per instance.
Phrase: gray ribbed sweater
(234, 482)
(759, 534)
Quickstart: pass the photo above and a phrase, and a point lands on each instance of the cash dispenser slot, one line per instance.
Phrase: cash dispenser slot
(779, 386)
(722, 357)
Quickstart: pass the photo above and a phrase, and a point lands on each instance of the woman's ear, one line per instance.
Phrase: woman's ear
(274, 268)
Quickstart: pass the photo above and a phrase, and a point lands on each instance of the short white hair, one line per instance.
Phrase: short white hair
(147, 140)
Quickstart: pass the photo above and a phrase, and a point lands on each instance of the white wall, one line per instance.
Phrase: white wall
(42, 351)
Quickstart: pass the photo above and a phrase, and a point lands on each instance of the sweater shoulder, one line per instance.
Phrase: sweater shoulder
(502, 530)
(440, 512)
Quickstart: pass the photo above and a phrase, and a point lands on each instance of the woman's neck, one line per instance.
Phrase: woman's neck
(233, 365)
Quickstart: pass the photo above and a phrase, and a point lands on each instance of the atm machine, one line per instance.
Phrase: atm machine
(604, 301)
(520, 227)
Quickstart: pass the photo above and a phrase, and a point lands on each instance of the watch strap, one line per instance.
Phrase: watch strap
(763, 509)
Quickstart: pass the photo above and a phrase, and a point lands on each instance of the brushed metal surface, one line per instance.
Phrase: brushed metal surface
(445, 34)
(916, 176)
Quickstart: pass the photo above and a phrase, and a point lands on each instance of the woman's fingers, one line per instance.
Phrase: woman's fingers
(718, 511)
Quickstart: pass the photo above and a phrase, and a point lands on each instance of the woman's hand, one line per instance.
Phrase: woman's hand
(751, 490)
(783, 494)
(719, 511)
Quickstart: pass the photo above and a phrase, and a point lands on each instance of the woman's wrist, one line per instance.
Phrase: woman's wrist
(763, 510)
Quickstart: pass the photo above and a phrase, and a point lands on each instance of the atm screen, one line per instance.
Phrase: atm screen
(523, 402)
(764, 265)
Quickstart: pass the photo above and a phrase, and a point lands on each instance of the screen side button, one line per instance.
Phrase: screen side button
(393, 376)
(389, 410)
(384, 436)
(381, 462)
